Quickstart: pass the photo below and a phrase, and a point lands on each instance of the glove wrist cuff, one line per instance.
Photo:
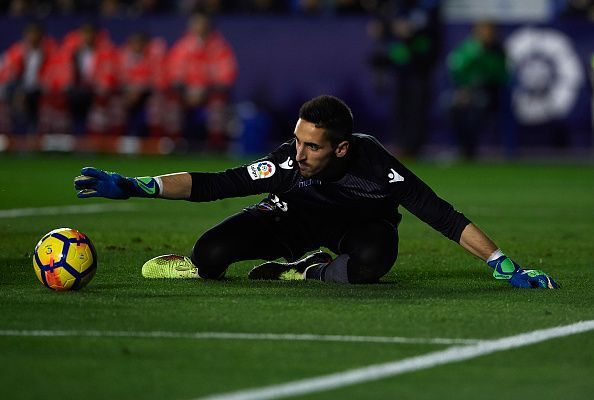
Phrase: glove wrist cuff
(144, 186)
(503, 267)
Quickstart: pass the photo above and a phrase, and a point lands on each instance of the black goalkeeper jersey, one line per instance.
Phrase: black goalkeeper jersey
(369, 183)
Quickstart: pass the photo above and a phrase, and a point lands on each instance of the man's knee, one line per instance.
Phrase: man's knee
(370, 264)
(372, 251)
(211, 256)
(368, 271)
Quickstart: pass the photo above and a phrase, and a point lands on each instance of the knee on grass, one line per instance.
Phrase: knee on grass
(211, 258)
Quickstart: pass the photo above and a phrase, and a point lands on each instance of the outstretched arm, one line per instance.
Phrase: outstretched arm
(421, 201)
(261, 176)
(94, 182)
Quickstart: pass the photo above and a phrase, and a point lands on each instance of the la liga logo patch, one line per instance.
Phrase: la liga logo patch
(261, 170)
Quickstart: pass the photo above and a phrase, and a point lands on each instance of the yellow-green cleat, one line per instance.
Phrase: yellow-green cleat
(169, 266)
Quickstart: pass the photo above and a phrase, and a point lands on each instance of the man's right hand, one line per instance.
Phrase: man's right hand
(94, 182)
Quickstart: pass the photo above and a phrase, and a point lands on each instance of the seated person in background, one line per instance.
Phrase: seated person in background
(140, 60)
(92, 76)
(203, 69)
(478, 69)
(24, 64)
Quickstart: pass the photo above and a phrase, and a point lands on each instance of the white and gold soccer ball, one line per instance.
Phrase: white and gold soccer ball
(65, 259)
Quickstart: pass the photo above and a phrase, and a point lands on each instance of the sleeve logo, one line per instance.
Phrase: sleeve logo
(288, 164)
(394, 176)
(261, 170)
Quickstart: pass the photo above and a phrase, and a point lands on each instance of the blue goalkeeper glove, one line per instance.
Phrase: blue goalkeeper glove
(505, 268)
(98, 183)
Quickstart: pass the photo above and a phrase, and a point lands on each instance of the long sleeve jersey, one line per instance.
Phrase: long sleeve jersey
(369, 183)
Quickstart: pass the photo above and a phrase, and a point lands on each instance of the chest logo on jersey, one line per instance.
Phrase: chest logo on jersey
(261, 170)
(394, 176)
(288, 164)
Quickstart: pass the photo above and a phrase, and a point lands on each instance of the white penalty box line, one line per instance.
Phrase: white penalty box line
(62, 210)
(233, 336)
(398, 367)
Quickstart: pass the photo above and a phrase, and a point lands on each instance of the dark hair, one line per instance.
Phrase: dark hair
(139, 35)
(36, 27)
(331, 114)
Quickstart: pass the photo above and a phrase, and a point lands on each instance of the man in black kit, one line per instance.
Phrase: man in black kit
(327, 188)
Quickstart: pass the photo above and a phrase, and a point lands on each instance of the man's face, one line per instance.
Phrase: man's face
(33, 37)
(199, 25)
(137, 44)
(485, 33)
(314, 150)
(88, 35)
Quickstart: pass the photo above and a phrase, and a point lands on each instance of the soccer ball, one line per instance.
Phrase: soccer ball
(65, 259)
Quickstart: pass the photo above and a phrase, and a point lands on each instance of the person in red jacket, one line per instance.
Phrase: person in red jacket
(24, 64)
(92, 76)
(202, 68)
(140, 71)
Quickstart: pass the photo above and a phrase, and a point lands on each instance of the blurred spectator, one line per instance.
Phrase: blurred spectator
(70, 6)
(203, 69)
(24, 64)
(206, 6)
(18, 8)
(309, 6)
(140, 66)
(146, 7)
(103, 7)
(92, 76)
(349, 6)
(110, 8)
(408, 34)
(327, 7)
(265, 6)
(579, 9)
(64, 6)
(478, 69)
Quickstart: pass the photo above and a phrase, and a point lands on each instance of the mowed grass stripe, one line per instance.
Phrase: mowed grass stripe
(234, 336)
(385, 370)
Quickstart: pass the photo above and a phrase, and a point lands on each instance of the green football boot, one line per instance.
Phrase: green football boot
(169, 266)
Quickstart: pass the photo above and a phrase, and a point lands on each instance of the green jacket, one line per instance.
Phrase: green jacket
(472, 65)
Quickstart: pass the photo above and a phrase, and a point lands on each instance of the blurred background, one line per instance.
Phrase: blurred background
(455, 79)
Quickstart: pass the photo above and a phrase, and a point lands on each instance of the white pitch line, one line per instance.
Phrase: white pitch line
(389, 369)
(234, 336)
(83, 209)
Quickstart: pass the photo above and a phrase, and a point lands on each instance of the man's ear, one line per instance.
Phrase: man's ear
(342, 149)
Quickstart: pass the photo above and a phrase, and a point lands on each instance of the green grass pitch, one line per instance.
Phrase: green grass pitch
(541, 214)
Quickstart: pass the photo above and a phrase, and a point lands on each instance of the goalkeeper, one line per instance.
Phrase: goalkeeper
(327, 187)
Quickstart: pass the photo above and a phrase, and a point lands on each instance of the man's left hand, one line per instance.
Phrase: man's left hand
(504, 268)
(532, 279)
